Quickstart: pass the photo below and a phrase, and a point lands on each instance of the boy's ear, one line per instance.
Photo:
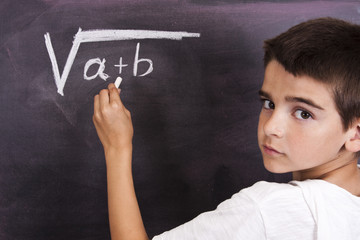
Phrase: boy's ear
(353, 143)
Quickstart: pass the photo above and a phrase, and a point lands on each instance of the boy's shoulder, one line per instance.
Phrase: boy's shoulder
(271, 198)
(279, 205)
(309, 190)
(327, 205)
(333, 208)
(271, 191)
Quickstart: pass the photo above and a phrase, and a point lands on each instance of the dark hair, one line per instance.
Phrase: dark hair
(327, 50)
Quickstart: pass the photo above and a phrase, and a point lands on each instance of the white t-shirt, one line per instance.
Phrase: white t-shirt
(311, 209)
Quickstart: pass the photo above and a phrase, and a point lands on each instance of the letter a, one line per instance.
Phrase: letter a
(100, 71)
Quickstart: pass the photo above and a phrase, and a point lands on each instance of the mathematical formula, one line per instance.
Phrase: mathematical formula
(101, 36)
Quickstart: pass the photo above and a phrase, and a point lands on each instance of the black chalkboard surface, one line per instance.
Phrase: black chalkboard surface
(194, 110)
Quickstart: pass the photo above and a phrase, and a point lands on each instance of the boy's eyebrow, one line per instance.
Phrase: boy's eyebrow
(264, 94)
(303, 100)
(293, 99)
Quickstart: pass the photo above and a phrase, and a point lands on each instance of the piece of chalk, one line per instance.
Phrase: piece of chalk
(118, 82)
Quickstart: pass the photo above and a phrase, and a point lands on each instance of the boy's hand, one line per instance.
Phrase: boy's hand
(112, 120)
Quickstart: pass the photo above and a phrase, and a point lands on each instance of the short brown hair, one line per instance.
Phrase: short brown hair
(327, 50)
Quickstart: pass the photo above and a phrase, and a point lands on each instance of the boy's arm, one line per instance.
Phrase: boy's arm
(114, 128)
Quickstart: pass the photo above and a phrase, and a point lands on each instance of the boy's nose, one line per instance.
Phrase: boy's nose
(274, 125)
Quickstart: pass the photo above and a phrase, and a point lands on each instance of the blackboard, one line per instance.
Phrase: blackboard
(194, 113)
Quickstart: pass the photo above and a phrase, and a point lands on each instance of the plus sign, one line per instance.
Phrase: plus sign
(120, 65)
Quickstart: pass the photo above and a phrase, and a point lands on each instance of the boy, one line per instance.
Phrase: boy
(309, 125)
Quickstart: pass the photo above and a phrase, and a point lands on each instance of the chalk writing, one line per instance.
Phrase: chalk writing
(120, 65)
(100, 71)
(137, 61)
(101, 68)
(101, 36)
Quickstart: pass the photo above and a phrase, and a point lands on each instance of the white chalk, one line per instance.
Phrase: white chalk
(118, 82)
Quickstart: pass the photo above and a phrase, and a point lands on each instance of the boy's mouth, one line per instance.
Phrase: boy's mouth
(270, 151)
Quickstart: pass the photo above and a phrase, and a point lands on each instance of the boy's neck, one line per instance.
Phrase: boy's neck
(346, 175)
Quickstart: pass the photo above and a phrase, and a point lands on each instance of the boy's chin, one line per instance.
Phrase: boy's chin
(274, 168)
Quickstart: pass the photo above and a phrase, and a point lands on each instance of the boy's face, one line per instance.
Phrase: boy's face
(299, 127)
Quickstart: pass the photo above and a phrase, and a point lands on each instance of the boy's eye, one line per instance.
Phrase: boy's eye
(301, 114)
(267, 104)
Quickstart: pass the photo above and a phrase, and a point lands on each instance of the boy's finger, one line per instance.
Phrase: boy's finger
(111, 86)
(114, 93)
(96, 104)
(104, 98)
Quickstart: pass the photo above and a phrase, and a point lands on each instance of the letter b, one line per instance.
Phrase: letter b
(137, 61)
